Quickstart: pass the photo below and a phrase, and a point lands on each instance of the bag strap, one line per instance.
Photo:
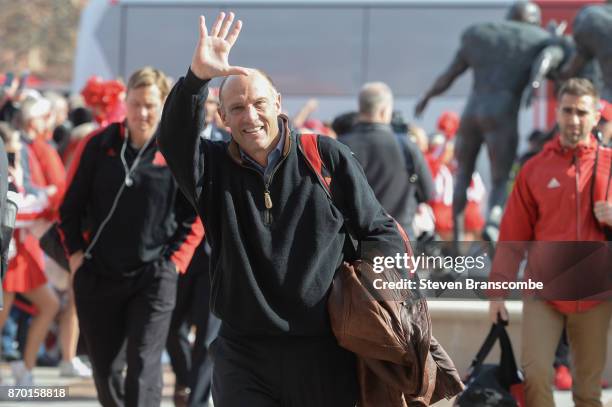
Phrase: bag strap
(486, 347)
(94, 240)
(308, 144)
(593, 181)
(509, 370)
(408, 158)
(609, 178)
(595, 166)
(498, 332)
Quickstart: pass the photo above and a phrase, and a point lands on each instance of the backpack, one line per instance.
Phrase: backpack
(409, 160)
(415, 185)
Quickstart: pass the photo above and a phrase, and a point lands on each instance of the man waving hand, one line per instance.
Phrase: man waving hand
(276, 240)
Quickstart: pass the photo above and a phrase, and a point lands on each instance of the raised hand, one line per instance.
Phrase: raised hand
(210, 57)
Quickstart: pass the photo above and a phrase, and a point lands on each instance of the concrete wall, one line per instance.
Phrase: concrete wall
(461, 327)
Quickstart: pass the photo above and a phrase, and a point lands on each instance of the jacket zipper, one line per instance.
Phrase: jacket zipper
(577, 177)
(267, 197)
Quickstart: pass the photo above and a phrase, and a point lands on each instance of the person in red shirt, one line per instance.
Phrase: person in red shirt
(439, 159)
(558, 213)
(53, 172)
(605, 125)
(25, 274)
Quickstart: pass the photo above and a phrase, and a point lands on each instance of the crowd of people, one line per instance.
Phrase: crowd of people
(186, 208)
(33, 126)
(48, 139)
(429, 160)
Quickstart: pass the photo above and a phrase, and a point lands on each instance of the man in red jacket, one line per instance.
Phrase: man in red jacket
(557, 214)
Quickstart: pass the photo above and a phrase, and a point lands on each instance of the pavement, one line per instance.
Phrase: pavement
(82, 392)
(562, 399)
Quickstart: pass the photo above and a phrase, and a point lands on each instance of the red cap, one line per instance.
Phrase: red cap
(448, 123)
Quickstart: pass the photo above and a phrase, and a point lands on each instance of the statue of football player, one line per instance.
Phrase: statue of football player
(593, 36)
(507, 58)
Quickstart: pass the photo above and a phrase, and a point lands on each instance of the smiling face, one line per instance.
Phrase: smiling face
(576, 116)
(250, 107)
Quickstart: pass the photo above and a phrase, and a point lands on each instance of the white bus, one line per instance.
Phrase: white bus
(315, 48)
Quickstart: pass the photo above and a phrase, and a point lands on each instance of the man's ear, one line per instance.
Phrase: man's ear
(388, 114)
(277, 103)
(383, 114)
(597, 117)
(221, 113)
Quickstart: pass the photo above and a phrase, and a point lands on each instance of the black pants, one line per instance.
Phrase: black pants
(126, 320)
(282, 372)
(193, 367)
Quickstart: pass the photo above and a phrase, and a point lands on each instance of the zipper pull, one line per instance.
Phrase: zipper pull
(268, 199)
(267, 217)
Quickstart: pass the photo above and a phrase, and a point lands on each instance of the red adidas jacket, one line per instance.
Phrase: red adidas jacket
(550, 215)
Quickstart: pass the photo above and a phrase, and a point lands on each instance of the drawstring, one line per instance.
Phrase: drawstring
(127, 182)
(129, 170)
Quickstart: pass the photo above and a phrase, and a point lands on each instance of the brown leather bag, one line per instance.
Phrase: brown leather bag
(399, 362)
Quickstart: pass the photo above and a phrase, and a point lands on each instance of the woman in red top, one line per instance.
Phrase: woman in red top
(25, 273)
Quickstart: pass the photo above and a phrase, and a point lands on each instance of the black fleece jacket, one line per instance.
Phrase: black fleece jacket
(152, 220)
(271, 268)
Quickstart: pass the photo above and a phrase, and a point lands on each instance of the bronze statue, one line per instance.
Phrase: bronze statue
(593, 37)
(506, 57)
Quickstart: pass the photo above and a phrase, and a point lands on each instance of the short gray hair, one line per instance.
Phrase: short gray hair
(33, 107)
(373, 97)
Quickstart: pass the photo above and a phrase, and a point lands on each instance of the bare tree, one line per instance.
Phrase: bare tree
(39, 35)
